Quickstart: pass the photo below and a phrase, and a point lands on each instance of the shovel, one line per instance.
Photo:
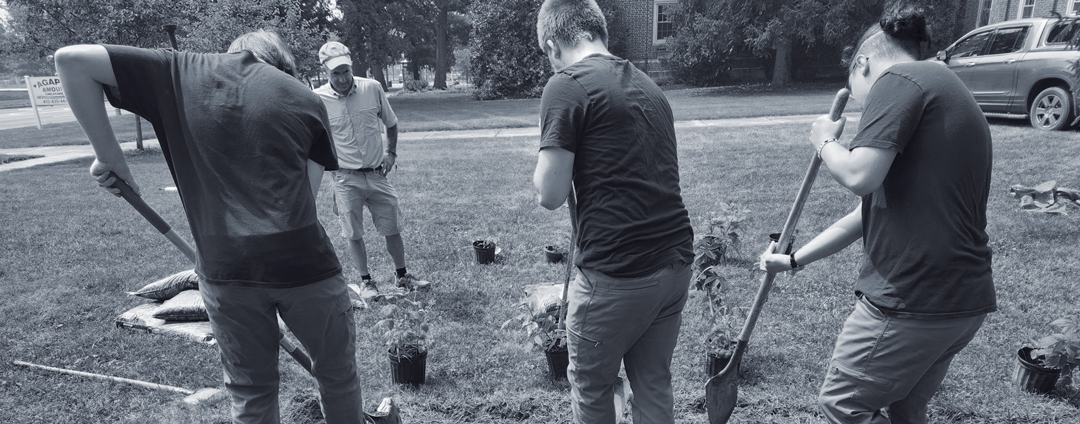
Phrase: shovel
(387, 412)
(163, 227)
(722, 391)
(194, 397)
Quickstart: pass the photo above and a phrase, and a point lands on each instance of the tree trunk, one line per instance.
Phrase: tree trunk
(379, 75)
(441, 46)
(414, 69)
(782, 67)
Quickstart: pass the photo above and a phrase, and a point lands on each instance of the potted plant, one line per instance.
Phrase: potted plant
(1038, 368)
(485, 251)
(540, 321)
(712, 251)
(553, 254)
(406, 328)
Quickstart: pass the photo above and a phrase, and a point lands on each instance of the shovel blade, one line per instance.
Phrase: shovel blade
(722, 390)
(205, 395)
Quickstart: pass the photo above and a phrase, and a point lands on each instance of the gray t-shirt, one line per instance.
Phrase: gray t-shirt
(924, 230)
(237, 135)
(619, 125)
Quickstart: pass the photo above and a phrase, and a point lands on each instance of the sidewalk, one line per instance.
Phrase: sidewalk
(56, 154)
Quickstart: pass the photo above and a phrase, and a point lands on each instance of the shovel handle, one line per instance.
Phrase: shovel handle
(152, 216)
(139, 383)
(839, 102)
(163, 227)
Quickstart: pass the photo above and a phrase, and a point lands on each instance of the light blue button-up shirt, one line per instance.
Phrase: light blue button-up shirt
(357, 120)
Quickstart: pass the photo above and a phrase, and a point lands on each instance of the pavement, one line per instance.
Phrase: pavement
(57, 154)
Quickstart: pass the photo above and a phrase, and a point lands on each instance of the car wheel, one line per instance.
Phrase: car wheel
(1051, 110)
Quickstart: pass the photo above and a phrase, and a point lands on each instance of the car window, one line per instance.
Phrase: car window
(1062, 31)
(1008, 40)
(971, 46)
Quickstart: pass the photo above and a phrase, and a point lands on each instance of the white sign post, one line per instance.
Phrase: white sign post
(44, 91)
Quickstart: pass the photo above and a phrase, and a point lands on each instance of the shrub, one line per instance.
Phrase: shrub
(415, 85)
(506, 61)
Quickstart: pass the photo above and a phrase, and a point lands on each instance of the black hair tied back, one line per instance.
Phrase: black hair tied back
(907, 23)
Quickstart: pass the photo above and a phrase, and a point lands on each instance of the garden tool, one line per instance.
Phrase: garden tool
(159, 223)
(194, 397)
(722, 391)
(387, 412)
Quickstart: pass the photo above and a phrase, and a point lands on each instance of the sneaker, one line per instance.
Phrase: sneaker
(388, 413)
(368, 290)
(412, 283)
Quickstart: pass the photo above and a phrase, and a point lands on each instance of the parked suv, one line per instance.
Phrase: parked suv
(1021, 69)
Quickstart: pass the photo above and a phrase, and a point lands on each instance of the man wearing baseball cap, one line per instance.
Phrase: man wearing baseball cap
(358, 110)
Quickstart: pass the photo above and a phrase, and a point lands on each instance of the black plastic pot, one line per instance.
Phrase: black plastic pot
(558, 360)
(484, 255)
(1031, 376)
(552, 254)
(714, 363)
(409, 371)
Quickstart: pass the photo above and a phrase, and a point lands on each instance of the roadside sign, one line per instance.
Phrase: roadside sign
(44, 91)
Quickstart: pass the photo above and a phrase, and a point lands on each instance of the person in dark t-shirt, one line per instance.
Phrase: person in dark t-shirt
(607, 134)
(246, 143)
(921, 162)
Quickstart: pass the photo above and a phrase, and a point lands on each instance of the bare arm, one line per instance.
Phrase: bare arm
(834, 239)
(390, 158)
(553, 176)
(314, 175)
(861, 170)
(84, 70)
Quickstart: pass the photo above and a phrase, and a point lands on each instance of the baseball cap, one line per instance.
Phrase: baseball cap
(334, 54)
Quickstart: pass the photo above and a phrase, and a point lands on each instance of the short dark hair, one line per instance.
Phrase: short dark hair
(901, 30)
(267, 46)
(565, 21)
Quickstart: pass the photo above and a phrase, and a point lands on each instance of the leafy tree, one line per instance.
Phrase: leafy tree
(39, 27)
(618, 31)
(380, 31)
(213, 24)
(506, 61)
(708, 32)
(443, 51)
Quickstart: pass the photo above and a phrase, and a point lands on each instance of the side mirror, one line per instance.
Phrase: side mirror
(943, 55)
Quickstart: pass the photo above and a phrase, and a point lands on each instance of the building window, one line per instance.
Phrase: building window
(1074, 9)
(984, 12)
(1027, 9)
(663, 27)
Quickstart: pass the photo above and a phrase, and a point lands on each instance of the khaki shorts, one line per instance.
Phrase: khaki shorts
(353, 190)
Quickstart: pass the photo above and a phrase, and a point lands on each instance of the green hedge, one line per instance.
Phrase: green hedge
(506, 60)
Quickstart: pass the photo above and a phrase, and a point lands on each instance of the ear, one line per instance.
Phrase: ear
(863, 63)
(554, 48)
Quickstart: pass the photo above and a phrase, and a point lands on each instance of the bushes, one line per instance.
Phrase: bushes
(701, 45)
(506, 60)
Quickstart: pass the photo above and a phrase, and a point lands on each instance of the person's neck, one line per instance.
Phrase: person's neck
(584, 49)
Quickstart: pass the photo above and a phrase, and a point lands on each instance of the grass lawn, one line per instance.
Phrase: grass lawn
(70, 134)
(458, 110)
(69, 252)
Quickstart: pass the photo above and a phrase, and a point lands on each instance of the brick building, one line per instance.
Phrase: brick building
(646, 27)
(992, 11)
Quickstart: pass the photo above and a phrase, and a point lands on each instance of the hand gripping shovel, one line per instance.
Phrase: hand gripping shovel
(722, 391)
(159, 223)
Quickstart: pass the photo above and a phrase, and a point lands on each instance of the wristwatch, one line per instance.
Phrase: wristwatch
(794, 265)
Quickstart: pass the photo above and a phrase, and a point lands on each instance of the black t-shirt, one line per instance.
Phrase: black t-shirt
(237, 134)
(619, 125)
(924, 230)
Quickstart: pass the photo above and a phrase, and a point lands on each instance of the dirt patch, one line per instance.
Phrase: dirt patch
(305, 409)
